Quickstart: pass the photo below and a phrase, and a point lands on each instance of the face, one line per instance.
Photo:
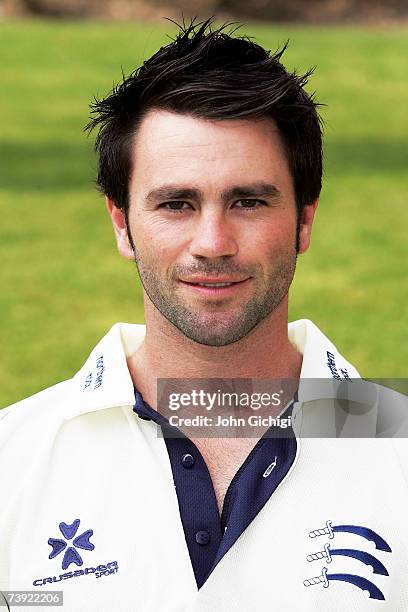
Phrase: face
(213, 222)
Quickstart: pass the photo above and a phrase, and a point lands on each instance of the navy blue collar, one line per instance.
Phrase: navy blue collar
(209, 536)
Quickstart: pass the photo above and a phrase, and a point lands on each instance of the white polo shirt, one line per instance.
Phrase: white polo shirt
(89, 506)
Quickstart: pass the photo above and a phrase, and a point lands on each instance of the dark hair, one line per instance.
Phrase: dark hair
(210, 74)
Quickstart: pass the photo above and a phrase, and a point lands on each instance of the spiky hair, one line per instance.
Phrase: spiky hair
(210, 73)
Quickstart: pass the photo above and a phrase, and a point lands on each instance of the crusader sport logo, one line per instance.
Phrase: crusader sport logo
(328, 553)
(70, 543)
(71, 553)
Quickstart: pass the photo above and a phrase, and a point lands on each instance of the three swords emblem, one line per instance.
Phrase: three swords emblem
(327, 553)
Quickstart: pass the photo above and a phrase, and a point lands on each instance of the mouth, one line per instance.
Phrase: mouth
(216, 288)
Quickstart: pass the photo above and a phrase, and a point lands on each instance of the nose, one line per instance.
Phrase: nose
(213, 236)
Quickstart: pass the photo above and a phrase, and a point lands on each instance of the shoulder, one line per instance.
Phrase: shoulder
(25, 424)
(100, 381)
(34, 408)
(29, 428)
(27, 432)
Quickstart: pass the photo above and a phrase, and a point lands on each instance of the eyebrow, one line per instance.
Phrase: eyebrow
(176, 192)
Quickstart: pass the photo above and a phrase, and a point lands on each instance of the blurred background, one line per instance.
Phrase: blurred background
(62, 282)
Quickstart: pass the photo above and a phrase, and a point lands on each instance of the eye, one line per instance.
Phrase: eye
(176, 206)
(251, 204)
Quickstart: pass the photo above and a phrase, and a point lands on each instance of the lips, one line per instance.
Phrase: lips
(212, 282)
(214, 287)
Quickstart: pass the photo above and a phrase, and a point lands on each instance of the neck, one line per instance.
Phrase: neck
(266, 352)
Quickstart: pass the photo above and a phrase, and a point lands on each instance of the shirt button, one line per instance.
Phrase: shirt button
(187, 461)
(202, 537)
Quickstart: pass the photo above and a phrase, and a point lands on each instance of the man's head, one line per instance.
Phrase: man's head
(210, 158)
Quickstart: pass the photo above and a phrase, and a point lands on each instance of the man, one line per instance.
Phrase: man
(210, 161)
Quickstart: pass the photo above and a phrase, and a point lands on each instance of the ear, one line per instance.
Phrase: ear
(119, 227)
(306, 223)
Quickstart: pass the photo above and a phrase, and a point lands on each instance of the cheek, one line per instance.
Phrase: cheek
(271, 238)
(155, 250)
(158, 238)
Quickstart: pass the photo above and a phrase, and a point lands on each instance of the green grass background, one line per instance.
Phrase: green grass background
(63, 284)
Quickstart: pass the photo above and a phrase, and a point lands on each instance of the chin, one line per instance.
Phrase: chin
(222, 338)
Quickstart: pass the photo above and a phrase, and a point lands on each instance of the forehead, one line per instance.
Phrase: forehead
(184, 148)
